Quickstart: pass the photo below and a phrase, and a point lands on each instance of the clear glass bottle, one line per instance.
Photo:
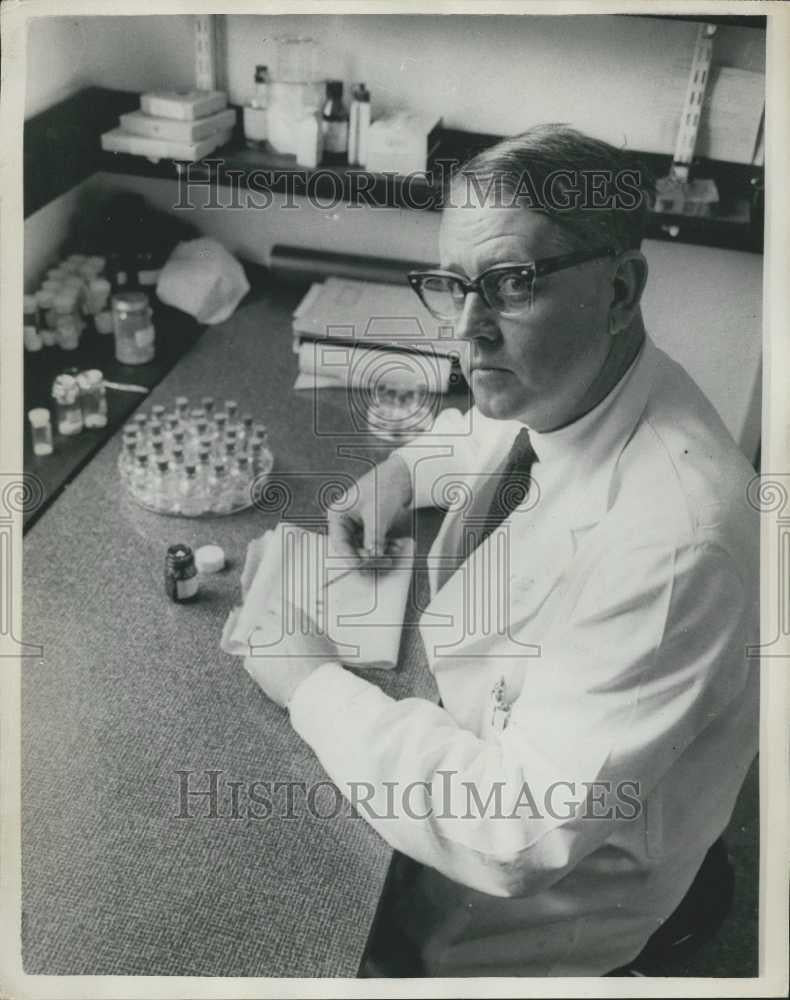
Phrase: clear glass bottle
(245, 431)
(135, 338)
(160, 485)
(182, 407)
(241, 482)
(68, 322)
(97, 296)
(40, 430)
(140, 481)
(232, 410)
(220, 424)
(204, 474)
(334, 116)
(127, 458)
(66, 394)
(177, 466)
(30, 324)
(218, 489)
(93, 398)
(141, 420)
(191, 496)
(208, 406)
(45, 299)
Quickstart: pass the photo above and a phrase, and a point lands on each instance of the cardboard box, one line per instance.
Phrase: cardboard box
(119, 141)
(183, 105)
(401, 144)
(140, 123)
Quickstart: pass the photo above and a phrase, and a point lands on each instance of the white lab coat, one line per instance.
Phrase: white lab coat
(599, 636)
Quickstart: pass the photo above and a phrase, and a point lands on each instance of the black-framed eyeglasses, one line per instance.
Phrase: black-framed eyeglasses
(506, 288)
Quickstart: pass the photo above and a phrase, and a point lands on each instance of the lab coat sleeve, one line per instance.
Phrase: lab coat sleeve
(651, 653)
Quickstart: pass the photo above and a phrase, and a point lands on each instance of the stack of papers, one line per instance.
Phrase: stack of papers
(347, 332)
(290, 569)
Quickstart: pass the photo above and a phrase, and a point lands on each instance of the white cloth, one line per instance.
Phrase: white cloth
(361, 613)
(202, 278)
(631, 582)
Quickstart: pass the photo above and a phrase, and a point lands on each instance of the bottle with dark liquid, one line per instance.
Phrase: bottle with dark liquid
(334, 124)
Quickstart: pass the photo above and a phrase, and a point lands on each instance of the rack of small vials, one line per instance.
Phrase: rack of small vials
(194, 461)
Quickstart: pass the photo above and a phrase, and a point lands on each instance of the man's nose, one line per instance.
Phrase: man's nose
(476, 320)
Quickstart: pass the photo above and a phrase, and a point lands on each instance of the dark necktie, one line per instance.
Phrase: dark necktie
(513, 481)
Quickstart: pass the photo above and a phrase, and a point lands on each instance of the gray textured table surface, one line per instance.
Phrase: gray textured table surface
(132, 689)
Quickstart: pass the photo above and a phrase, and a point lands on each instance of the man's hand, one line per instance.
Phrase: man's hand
(359, 530)
(280, 669)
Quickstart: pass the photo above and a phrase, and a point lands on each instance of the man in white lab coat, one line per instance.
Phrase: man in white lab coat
(587, 632)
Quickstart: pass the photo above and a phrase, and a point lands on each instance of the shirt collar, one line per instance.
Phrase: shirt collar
(591, 445)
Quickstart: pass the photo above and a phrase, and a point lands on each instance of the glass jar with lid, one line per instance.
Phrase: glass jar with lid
(135, 342)
(93, 398)
(66, 394)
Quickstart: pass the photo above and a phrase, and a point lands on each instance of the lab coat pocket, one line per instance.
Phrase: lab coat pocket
(654, 825)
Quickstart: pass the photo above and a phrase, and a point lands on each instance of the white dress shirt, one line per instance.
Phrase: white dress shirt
(598, 636)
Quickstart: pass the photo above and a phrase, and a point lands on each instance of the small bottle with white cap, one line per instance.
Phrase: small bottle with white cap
(40, 430)
(30, 328)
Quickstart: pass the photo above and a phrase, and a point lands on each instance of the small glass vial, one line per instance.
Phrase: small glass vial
(127, 458)
(181, 579)
(221, 423)
(204, 470)
(98, 296)
(191, 496)
(160, 485)
(231, 408)
(256, 456)
(246, 426)
(30, 329)
(135, 338)
(241, 482)
(45, 299)
(93, 398)
(140, 479)
(141, 420)
(68, 337)
(182, 407)
(208, 406)
(218, 489)
(103, 322)
(66, 394)
(40, 430)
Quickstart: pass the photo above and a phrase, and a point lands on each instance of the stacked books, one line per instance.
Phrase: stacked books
(350, 333)
(177, 125)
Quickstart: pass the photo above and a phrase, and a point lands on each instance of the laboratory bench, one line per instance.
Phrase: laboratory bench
(138, 856)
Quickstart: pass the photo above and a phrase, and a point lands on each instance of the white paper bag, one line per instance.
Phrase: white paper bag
(201, 278)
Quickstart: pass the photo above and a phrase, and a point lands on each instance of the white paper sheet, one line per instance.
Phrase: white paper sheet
(361, 613)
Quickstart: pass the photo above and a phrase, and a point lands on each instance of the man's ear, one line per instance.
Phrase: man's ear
(628, 283)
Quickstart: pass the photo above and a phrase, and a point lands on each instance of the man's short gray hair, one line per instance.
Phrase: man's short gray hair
(599, 195)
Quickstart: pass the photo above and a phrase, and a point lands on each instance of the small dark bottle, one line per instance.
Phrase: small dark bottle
(334, 125)
(181, 580)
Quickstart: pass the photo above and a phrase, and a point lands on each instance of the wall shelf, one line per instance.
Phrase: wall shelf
(70, 132)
